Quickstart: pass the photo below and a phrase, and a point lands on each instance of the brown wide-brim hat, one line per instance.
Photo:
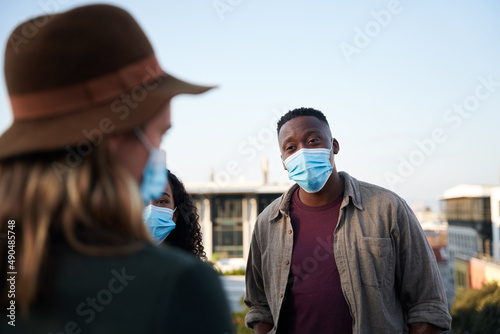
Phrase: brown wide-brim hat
(76, 76)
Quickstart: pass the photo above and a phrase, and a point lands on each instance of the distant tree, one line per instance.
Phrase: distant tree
(477, 311)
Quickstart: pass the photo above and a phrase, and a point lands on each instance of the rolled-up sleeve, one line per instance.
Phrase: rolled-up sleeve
(421, 287)
(255, 296)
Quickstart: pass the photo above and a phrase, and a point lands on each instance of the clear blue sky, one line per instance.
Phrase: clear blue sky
(411, 88)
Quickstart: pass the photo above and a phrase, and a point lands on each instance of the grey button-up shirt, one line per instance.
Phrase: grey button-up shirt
(388, 271)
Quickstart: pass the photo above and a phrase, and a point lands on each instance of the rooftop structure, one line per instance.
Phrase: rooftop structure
(228, 214)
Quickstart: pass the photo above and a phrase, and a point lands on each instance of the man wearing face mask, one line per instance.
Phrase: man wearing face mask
(337, 255)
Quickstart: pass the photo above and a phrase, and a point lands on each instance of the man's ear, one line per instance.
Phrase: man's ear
(336, 146)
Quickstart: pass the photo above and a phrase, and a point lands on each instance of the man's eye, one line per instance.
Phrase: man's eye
(290, 148)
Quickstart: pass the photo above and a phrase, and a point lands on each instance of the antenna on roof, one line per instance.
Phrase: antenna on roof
(265, 169)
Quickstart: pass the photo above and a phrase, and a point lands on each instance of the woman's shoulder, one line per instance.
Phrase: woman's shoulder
(151, 262)
(173, 256)
(162, 260)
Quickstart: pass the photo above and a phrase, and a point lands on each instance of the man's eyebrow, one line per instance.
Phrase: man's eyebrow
(312, 132)
(287, 138)
(164, 193)
(286, 141)
(307, 134)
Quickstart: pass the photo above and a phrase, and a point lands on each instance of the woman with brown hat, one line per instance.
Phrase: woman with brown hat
(90, 104)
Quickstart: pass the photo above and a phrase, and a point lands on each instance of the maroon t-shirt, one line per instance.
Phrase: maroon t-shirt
(314, 302)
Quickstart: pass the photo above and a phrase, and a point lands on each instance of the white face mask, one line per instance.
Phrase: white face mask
(310, 168)
(154, 176)
(159, 221)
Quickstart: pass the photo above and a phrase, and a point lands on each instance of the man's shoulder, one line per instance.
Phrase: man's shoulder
(274, 206)
(371, 188)
(371, 192)
(273, 209)
(378, 201)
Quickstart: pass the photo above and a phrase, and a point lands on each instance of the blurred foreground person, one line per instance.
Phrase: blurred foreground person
(338, 255)
(90, 105)
(173, 220)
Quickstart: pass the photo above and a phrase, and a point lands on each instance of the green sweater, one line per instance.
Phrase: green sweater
(156, 290)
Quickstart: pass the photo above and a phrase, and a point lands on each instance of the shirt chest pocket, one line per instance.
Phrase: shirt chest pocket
(376, 261)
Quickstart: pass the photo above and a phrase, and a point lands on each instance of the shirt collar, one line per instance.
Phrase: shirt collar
(351, 191)
(351, 194)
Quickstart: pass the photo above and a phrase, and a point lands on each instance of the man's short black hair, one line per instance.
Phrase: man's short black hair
(301, 112)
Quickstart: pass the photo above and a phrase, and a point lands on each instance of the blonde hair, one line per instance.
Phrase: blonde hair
(94, 207)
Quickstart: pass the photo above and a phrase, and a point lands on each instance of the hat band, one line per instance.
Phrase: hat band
(88, 94)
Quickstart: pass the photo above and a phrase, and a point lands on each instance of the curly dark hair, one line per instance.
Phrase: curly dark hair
(187, 232)
(301, 112)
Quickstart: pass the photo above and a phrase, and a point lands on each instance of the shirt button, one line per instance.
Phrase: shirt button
(287, 262)
(281, 295)
(289, 231)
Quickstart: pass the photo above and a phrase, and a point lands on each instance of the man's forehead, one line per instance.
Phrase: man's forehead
(302, 124)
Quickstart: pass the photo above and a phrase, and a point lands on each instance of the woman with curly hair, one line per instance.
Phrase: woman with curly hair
(175, 215)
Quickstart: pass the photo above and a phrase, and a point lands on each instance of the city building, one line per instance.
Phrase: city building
(430, 220)
(470, 230)
(228, 214)
(435, 228)
(474, 272)
(462, 272)
(495, 219)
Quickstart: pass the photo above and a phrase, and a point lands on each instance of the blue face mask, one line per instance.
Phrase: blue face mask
(159, 221)
(310, 168)
(155, 175)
